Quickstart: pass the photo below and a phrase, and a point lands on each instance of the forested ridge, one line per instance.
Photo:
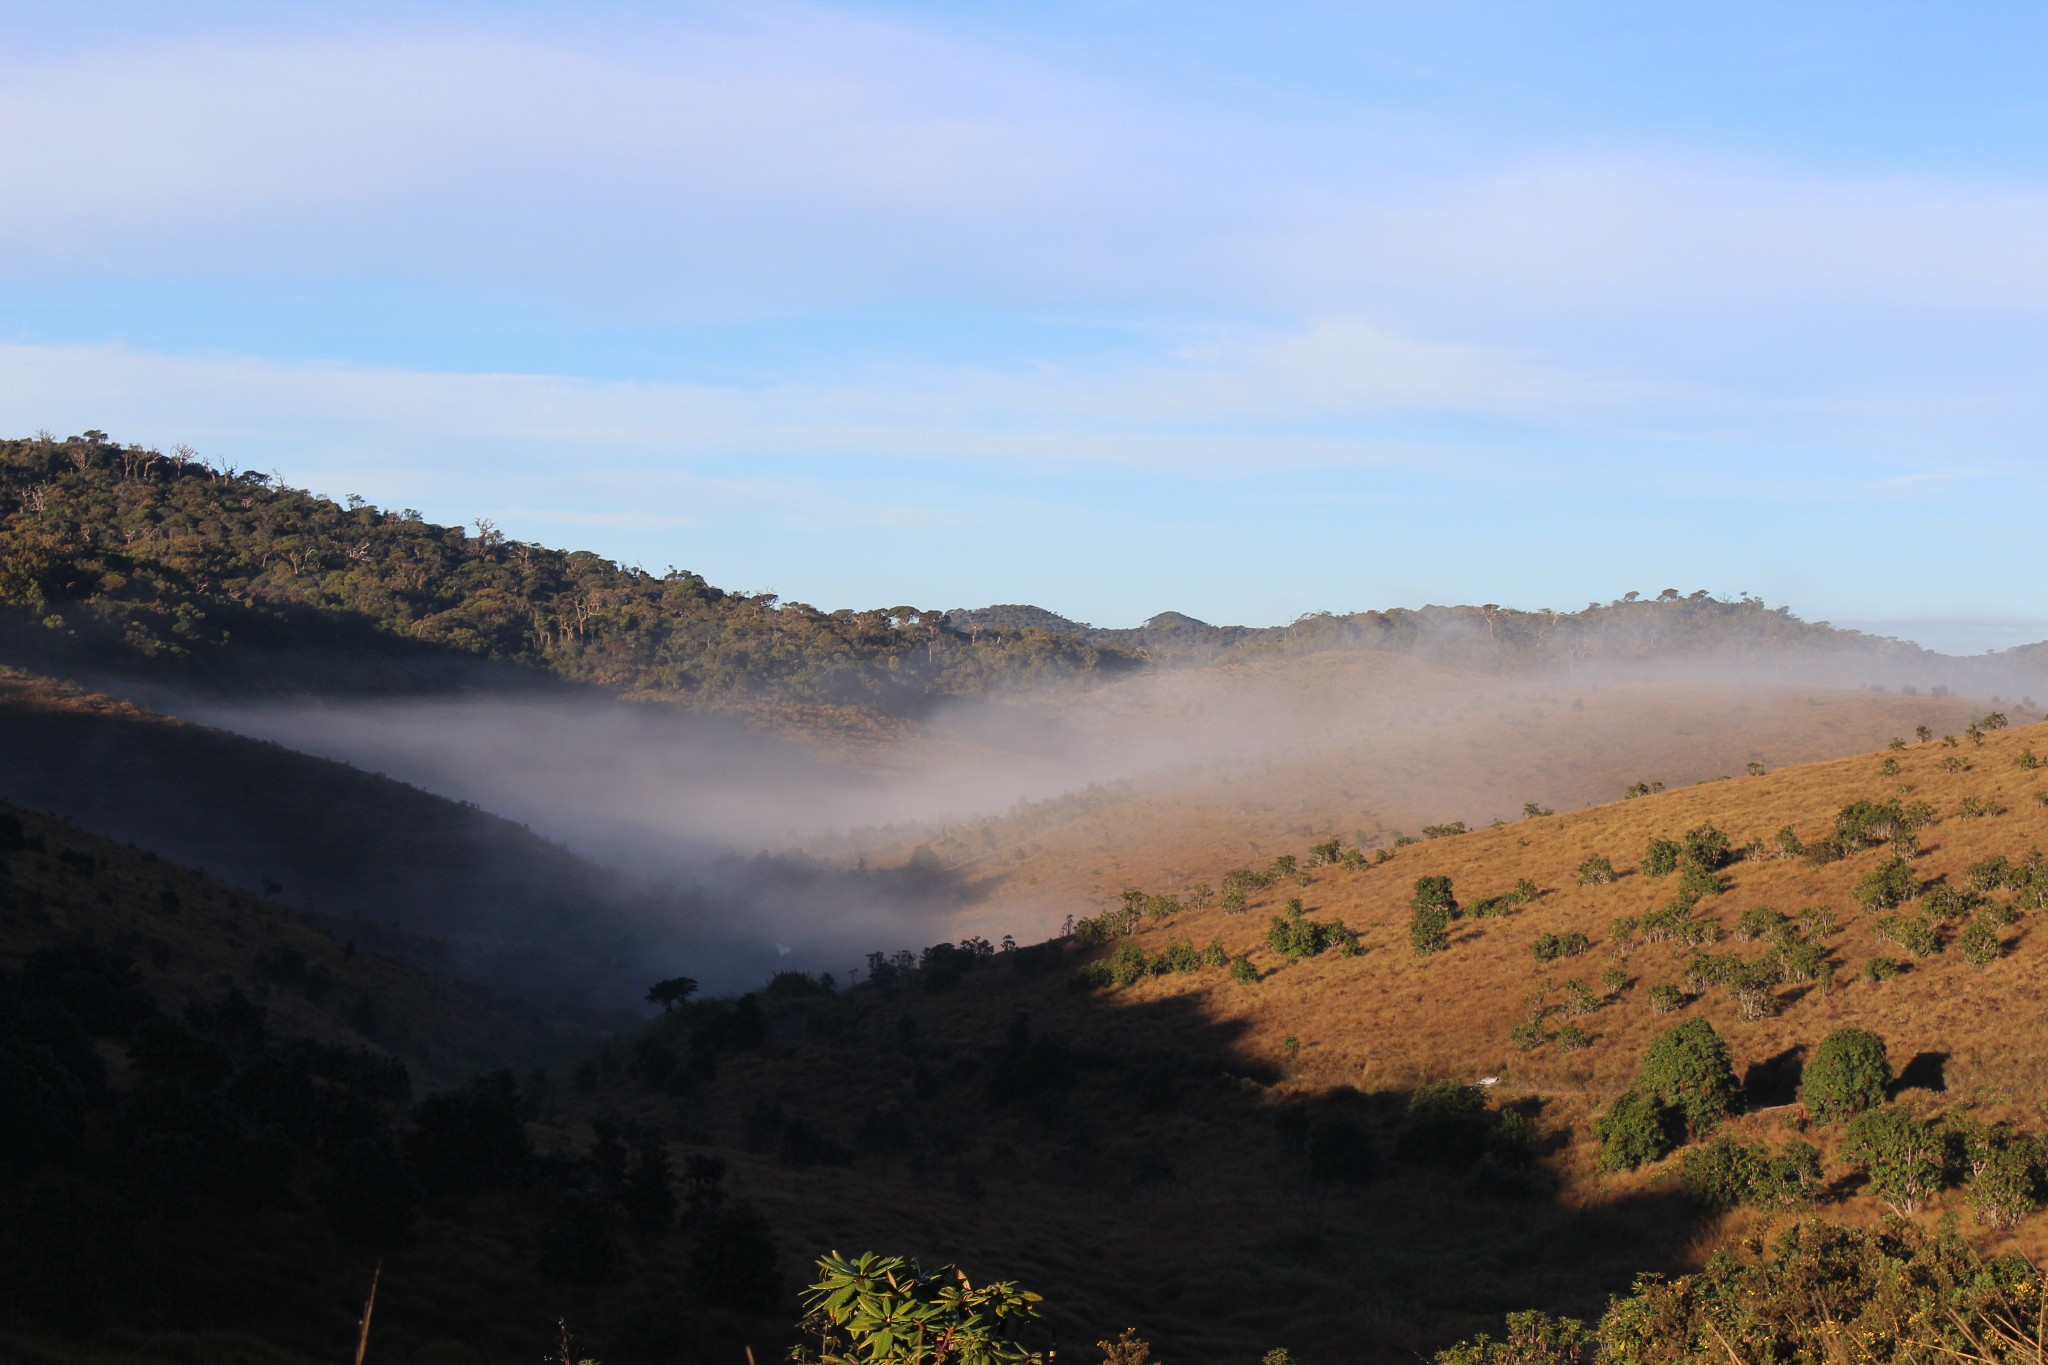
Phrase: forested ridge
(121, 557)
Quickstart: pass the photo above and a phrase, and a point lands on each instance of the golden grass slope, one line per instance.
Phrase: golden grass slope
(1271, 758)
(1169, 1192)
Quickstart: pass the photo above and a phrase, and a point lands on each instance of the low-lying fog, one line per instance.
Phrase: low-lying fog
(684, 797)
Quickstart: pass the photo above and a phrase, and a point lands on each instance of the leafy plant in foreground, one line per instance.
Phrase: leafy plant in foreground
(884, 1310)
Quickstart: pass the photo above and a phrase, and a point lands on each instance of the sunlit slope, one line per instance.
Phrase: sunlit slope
(1144, 1152)
(1366, 750)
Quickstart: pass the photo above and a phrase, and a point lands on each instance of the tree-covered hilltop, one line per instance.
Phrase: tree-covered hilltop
(123, 558)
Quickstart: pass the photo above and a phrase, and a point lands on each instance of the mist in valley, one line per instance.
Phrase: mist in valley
(775, 850)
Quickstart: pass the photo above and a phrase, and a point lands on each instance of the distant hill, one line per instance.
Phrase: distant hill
(1760, 641)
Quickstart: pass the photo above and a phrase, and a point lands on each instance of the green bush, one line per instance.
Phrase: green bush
(1532, 1339)
(1902, 1156)
(1127, 964)
(1980, 944)
(1917, 934)
(1527, 1035)
(1787, 844)
(1991, 874)
(1888, 884)
(1666, 998)
(1759, 922)
(1579, 999)
(1242, 971)
(1883, 968)
(1450, 1123)
(1596, 870)
(1849, 1074)
(1572, 1038)
(1434, 892)
(1294, 936)
(1946, 902)
(1687, 1067)
(1861, 824)
(1660, 859)
(1706, 847)
(1791, 1178)
(884, 1309)
(1634, 1130)
(1429, 929)
(1551, 947)
(1723, 1173)
(1696, 883)
(2005, 1171)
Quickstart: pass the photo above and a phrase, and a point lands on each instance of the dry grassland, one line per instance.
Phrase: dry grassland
(1171, 1178)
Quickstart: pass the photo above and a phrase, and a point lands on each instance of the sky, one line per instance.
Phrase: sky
(1238, 310)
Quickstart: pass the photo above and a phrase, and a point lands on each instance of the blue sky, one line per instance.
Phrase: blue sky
(1238, 310)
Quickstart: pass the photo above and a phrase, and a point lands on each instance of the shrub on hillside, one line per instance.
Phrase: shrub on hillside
(1596, 870)
(1434, 891)
(1849, 1074)
(1294, 936)
(1696, 883)
(1787, 844)
(1917, 934)
(1885, 886)
(1902, 1156)
(1636, 1129)
(1429, 929)
(1863, 824)
(1660, 858)
(1551, 947)
(1450, 1123)
(1532, 1339)
(1721, 1174)
(1979, 943)
(1881, 969)
(1758, 922)
(1688, 1068)
(1946, 902)
(1706, 847)
(2004, 1174)
(1666, 998)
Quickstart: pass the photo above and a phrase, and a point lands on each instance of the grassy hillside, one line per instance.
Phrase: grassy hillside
(1237, 1164)
(1253, 759)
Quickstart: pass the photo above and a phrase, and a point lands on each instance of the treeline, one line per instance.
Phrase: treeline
(120, 556)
